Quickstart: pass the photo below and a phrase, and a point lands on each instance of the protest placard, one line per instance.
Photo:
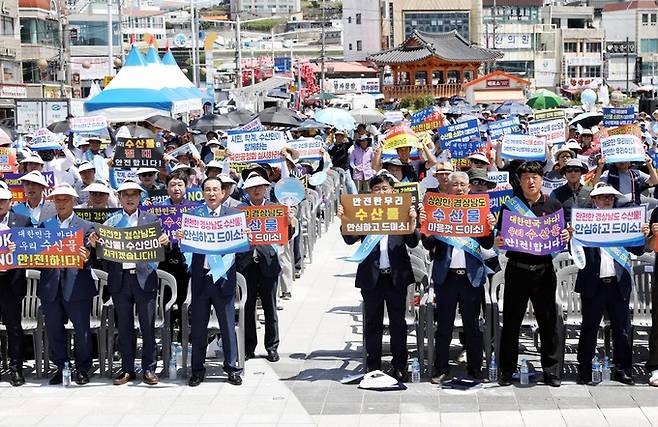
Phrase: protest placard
(523, 147)
(155, 197)
(458, 216)
(8, 159)
(214, 235)
(400, 135)
(618, 116)
(462, 139)
(429, 118)
(608, 227)
(500, 178)
(548, 185)
(393, 116)
(43, 139)
(130, 244)
(138, 153)
(88, 124)
(549, 114)
(170, 216)
(253, 126)
(502, 127)
(412, 188)
(376, 214)
(96, 215)
(497, 199)
(622, 148)
(41, 248)
(189, 149)
(553, 131)
(625, 130)
(268, 224)
(309, 148)
(536, 236)
(118, 176)
(256, 147)
(16, 186)
(194, 194)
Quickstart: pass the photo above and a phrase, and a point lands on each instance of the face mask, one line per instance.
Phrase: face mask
(47, 156)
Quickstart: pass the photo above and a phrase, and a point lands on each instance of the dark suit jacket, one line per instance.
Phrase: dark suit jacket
(146, 273)
(587, 282)
(367, 273)
(78, 284)
(16, 277)
(441, 253)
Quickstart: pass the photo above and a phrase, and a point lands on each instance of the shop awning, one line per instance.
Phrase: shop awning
(498, 96)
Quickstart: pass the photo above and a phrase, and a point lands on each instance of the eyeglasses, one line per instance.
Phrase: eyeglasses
(564, 156)
(478, 162)
(478, 182)
(570, 170)
(150, 174)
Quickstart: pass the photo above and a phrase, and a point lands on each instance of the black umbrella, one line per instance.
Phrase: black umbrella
(62, 126)
(167, 123)
(311, 124)
(242, 116)
(462, 108)
(211, 122)
(9, 131)
(587, 120)
(278, 116)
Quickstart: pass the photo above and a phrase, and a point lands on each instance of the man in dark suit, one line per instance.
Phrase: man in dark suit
(134, 285)
(261, 268)
(35, 206)
(207, 293)
(12, 293)
(67, 293)
(383, 277)
(458, 276)
(605, 285)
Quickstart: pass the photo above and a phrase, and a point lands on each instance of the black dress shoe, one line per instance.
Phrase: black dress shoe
(505, 380)
(398, 374)
(249, 356)
(552, 380)
(195, 380)
(583, 379)
(234, 378)
(56, 379)
(81, 378)
(624, 378)
(16, 378)
(273, 356)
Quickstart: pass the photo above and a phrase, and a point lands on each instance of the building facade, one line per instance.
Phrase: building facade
(10, 56)
(266, 7)
(362, 28)
(43, 49)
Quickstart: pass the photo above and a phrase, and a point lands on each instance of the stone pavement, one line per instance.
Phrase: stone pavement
(320, 344)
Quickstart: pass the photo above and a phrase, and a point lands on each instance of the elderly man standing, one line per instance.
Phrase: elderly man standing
(36, 207)
(67, 293)
(573, 193)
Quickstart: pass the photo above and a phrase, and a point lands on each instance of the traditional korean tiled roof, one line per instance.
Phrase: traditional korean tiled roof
(448, 46)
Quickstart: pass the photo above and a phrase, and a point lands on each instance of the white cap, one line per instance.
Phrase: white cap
(36, 177)
(225, 179)
(212, 142)
(32, 159)
(86, 166)
(602, 188)
(5, 194)
(97, 187)
(146, 170)
(130, 185)
(63, 190)
(254, 180)
(214, 164)
(479, 156)
(180, 166)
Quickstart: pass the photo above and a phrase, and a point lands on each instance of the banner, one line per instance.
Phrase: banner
(549, 114)
(625, 130)
(189, 149)
(16, 187)
(500, 178)
(256, 147)
(618, 116)
(309, 148)
(458, 216)
(554, 131)
(43, 139)
(130, 244)
(253, 126)
(41, 248)
(536, 236)
(8, 160)
(268, 224)
(194, 194)
(412, 188)
(170, 217)
(138, 153)
(214, 235)
(462, 139)
(99, 216)
(497, 199)
(523, 147)
(429, 118)
(608, 227)
(88, 124)
(622, 148)
(118, 176)
(502, 127)
(548, 185)
(155, 197)
(398, 136)
(376, 214)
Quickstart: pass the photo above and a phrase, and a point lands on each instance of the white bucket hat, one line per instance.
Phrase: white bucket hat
(602, 189)
(86, 166)
(35, 177)
(32, 159)
(130, 185)
(254, 180)
(146, 170)
(97, 187)
(63, 190)
(5, 194)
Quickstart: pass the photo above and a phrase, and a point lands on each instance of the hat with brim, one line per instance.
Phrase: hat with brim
(35, 177)
(214, 164)
(181, 166)
(254, 168)
(63, 190)
(387, 173)
(212, 142)
(563, 150)
(225, 179)
(573, 163)
(392, 162)
(141, 171)
(574, 146)
(90, 140)
(254, 180)
(603, 190)
(32, 159)
(86, 166)
(444, 167)
(5, 194)
(480, 174)
(97, 187)
(480, 157)
(340, 132)
(587, 132)
(130, 185)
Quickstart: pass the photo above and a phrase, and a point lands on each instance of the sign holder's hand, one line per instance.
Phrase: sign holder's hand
(11, 246)
(84, 254)
(491, 221)
(93, 239)
(340, 212)
(163, 239)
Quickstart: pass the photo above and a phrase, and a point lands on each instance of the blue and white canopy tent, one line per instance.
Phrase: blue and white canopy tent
(180, 80)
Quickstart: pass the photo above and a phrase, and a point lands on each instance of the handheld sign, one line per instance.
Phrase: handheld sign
(268, 224)
(88, 124)
(554, 131)
(429, 118)
(41, 248)
(608, 227)
(458, 216)
(138, 153)
(170, 216)
(502, 127)
(308, 148)
(497, 199)
(412, 188)
(289, 191)
(550, 114)
(8, 159)
(399, 136)
(99, 216)
(214, 235)
(376, 214)
(523, 147)
(130, 244)
(536, 236)
(622, 148)
(462, 139)
(256, 147)
(618, 116)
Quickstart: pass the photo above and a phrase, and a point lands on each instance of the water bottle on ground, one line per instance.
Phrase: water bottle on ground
(172, 363)
(605, 369)
(66, 375)
(493, 369)
(415, 371)
(525, 375)
(179, 355)
(596, 370)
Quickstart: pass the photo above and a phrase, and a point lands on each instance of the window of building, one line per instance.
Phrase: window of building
(593, 47)
(572, 71)
(93, 33)
(645, 18)
(349, 19)
(359, 45)
(654, 17)
(437, 22)
(40, 31)
(350, 46)
(10, 72)
(591, 71)
(358, 19)
(6, 26)
(571, 47)
(648, 45)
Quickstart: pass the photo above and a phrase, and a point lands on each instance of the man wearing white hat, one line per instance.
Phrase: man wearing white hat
(35, 206)
(32, 163)
(87, 173)
(134, 286)
(147, 177)
(605, 285)
(12, 292)
(228, 185)
(99, 196)
(67, 293)
(478, 161)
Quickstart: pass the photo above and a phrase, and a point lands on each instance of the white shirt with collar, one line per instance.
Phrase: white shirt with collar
(67, 222)
(36, 211)
(4, 224)
(607, 268)
(132, 222)
(458, 259)
(215, 212)
(384, 261)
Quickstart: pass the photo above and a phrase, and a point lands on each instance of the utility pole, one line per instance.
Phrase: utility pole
(110, 47)
(493, 31)
(120, 17)
(61, 77)
(238, 52)
(627, 68)
(195, 45)
(322, 69)
(272, 41)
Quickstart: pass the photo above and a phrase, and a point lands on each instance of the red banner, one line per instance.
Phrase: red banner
(457, 216)
(268, 224)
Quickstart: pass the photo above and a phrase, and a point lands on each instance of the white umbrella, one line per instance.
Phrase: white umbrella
(367, 116)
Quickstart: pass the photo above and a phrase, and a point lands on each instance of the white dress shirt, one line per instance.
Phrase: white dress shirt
(132, 222)
(384, 262)
(458, 259)
(607, 268)
(35, 212)
(211, 213)
(4, 224)
(66, 223)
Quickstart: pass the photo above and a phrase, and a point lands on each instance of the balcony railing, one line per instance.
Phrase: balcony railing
(437, 91)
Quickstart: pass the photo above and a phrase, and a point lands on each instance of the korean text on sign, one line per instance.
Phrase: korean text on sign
(8, 159)
(618, 116)
(376, 214)
(460, 216)
(553, 131)
(138, 153)
(502, 127)
(622, 148)
(429, 118)
(41, 248)
(170, 217)
(308, 148)
(268, 224)
(523, 147)
(256, 147)
(130, 244)
(608, 227)
(214, 235)
(536, 236)
(461, 139)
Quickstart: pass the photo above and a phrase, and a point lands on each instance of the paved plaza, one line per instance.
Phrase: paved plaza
(321, 344)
